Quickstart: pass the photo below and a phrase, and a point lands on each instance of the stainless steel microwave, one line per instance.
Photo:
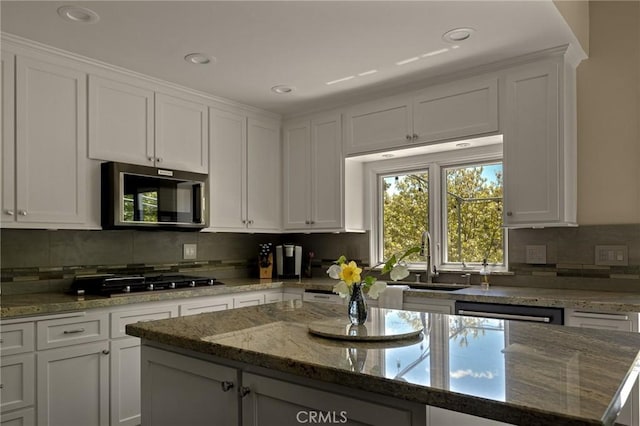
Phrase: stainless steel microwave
(148, 197)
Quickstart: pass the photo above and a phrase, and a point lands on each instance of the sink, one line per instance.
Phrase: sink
(433, 286)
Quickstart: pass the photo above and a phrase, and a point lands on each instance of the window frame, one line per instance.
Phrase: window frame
(434, 163)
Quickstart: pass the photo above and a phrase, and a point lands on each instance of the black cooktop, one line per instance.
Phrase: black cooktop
(113, 285)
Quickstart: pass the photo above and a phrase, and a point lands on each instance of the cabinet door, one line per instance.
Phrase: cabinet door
(263, 175)
(461, 109)
(327, 179)
(227, 170)
(73, 385)
(297, 175)
(379, 125)
(125, 382)
(18, 381)
(181, 132)
(19, 418)
(120, 122)
(532, 159)
(51, 114)
(212, 397)
(8, 146)
(293, 405)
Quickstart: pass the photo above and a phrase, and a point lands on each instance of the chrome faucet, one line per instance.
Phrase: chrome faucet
(425, 251)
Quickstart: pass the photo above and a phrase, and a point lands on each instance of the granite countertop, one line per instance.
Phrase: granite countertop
(515, 372)
(49, 303)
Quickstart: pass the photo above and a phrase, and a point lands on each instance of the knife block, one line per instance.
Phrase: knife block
(267, 271)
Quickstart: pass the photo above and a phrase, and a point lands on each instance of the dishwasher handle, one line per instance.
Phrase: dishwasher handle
(504, 316)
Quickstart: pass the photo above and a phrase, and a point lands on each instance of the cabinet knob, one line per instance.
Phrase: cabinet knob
(9, 212)
(415, 136)
(226, 386)
(408, 137)
(509, 214)
(251, 222)
(23, 212)
(159, 159)
(1, 386)
(150, 158)
(244, 391)
(311, 222)
(105, 351)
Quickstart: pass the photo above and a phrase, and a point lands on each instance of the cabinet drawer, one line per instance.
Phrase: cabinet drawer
(308, 296)
(251, 299)
(71, 331)
(119, 320)
(212, 304)
(18, 381)
(17, 338)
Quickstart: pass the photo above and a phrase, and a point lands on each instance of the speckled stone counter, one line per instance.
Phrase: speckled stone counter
(49, 303)
(543, 374)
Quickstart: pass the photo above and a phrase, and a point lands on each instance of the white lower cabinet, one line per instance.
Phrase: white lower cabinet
(423, 304)
(73, 385)
(125, 382)
(18, 386)
(211, 395)
(630, 413)
(19, 418)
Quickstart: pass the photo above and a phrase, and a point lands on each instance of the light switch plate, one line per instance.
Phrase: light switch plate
(189, 251)
(607, 255)
(536, 254)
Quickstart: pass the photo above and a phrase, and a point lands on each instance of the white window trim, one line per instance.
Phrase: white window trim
(434, 163)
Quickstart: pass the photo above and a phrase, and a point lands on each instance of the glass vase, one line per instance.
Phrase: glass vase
(357, 305)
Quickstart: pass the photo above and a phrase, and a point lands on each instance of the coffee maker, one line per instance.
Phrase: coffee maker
(289, 261)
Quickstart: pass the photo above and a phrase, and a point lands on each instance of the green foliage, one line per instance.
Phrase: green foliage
(474, 215)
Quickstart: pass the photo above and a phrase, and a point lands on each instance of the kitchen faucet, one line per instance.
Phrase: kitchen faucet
(425, 251)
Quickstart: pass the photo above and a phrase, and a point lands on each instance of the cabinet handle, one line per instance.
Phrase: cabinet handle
(1, 386)
(226, 386)
(105, 351)
(306, 222)
(77, 330)
(415, 136)
(312, 222)
(244, 391)
(408, 137)
(9, 212)
(23, 212)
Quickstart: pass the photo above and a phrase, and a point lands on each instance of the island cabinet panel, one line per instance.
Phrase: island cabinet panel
(178, 390)
(267, 399)
(206, 304)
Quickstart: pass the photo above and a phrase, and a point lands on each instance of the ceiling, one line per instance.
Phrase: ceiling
(303, 44)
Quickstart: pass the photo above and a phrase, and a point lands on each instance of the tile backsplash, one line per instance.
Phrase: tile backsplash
(44, 260)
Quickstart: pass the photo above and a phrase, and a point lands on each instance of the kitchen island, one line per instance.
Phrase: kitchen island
(258, 364)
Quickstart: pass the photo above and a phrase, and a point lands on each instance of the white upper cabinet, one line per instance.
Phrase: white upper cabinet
(244, 175)
(120, 122)
(314, 175)
(131, 123)
(51, 145)
(264, 175)
(7, 162)
(540, 146)
(456, 110)
(450, 111)
(181, 134)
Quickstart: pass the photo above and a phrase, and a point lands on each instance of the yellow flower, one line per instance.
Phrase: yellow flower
(350, 273)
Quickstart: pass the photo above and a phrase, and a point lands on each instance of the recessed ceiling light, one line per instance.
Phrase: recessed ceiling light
(463, 144)
(388, 155)
(340, 80)
(435, 52)
(457, 35)
(362, 74)
(282, 89)
(408, 61)
(199, 58)
(78, 14)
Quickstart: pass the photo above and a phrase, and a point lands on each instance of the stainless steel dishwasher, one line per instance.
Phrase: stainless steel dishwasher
(538, 314)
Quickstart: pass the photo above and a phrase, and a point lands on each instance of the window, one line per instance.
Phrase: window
(473, 214)
(458, 200)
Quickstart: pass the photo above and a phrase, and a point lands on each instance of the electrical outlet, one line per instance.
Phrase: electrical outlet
(612, 255)
(189, 251)
(536, 255)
